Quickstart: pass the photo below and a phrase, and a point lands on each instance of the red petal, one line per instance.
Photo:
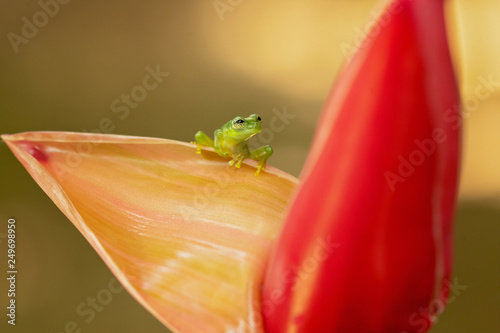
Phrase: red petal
(366, 246)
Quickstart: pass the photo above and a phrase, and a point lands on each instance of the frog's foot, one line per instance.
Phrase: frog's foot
(238, 160)
(260, 167)
(198, 147)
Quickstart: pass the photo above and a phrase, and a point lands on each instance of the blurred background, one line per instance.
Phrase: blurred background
(224, 58)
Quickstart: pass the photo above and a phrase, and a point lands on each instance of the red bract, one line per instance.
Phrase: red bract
(366, 246)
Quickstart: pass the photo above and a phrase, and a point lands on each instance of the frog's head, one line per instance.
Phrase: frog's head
(242, 129)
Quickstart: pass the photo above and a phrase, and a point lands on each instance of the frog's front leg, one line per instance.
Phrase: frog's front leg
(261, 155)
(202, 140)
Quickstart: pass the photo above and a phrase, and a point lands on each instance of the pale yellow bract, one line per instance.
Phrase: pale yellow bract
(187, 236)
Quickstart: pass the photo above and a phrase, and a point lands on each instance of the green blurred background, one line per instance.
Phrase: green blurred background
(255, 57)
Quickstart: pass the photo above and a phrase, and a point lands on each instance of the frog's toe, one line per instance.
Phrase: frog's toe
(260, 167)
(198, 148)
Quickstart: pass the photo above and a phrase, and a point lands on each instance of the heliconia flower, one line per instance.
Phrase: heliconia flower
(379, 186)
(365, 245)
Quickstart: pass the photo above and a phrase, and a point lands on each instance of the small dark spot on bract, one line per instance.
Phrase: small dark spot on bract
(35, 151)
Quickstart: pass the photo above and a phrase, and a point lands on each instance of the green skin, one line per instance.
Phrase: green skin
(231, 141)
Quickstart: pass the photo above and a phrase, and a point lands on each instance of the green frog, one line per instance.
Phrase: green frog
(230, 141)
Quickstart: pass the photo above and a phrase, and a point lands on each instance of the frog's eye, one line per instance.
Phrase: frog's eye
(255, 116)
(238, 124)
